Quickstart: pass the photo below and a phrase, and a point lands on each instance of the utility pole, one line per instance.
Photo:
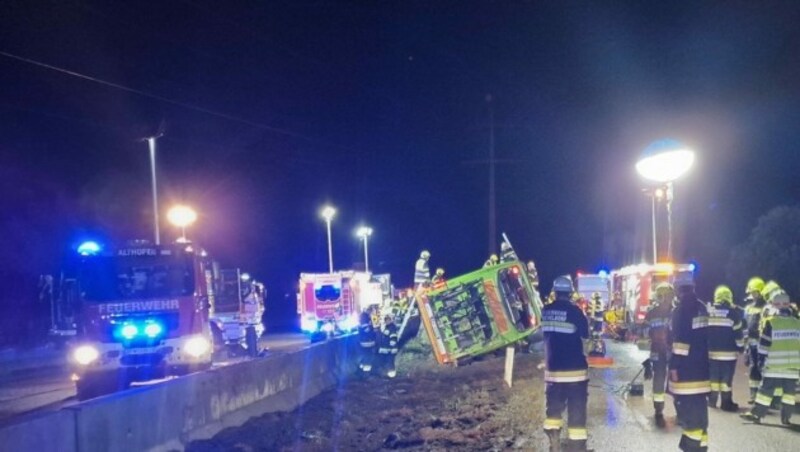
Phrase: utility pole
(492, 197)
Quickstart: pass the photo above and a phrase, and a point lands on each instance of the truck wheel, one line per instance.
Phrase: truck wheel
(251, 339)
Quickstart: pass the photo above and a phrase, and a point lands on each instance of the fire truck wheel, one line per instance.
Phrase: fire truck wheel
(251, 339)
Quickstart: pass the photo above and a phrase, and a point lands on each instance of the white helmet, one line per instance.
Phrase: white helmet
(425, 254)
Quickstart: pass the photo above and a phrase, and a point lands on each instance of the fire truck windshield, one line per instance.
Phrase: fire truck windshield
(109, 278)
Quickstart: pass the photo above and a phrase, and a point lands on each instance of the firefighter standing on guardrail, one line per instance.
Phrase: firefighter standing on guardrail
(567, 371)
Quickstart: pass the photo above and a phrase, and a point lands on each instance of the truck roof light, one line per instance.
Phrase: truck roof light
(88, 248)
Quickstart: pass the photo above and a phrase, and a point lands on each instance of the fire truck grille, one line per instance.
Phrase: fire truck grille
(144, 359)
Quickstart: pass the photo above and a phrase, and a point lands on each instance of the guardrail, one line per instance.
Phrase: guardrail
(171, 414)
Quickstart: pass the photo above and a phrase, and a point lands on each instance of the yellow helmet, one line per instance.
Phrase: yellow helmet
(576, 296)
(769, 289)
(494, 258)
(723, 294)
(665, 291)
(595, 295)
(755, 284)
(425, 254)
(440, 271)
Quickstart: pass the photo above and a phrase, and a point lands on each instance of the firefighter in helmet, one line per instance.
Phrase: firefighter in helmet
(598, 347)
(492, 261)
(438, 276)
(755, 303)
(367, 337)
(725, 342)
(688, 366)
(422, 272)
(780, 352)
(507, 253)
(658, 329)
(533, 274)
(388, 346)
(566, 373)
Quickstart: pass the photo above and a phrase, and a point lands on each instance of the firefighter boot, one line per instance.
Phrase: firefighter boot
(576, 445)
(750, 417)
(555, 440)
(712, 399)
(786, 414)
(660, 422)
(753, 392)
(727, 403)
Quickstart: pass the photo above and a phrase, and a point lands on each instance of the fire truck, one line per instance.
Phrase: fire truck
(330, 303)
(637, 284)
(236, 317)
(479, 312)
(588, 283)
(141, 311)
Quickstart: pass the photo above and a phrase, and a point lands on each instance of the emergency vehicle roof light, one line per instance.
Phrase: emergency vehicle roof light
(692, 267)
(88, 248)
(603, 273)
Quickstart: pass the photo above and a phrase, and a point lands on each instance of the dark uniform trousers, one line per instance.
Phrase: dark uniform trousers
(660, 363)
(692, 411)
(573, 397)
(771, 386)
(721, 377)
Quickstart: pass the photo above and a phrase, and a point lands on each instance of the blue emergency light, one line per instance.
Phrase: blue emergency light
(130, 330)
(88, 248)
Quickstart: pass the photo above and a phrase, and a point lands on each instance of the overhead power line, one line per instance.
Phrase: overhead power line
(167, 100)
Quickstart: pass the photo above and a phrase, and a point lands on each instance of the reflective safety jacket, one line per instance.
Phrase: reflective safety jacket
(690, 348)
(564, 327)
(658, 320)
(366, 332)
(422, 273)
(388, 340)
(752, 316)
(725, 335)
(780, 344)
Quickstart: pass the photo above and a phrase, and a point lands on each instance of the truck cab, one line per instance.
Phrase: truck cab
(236, 315)
(479, 312)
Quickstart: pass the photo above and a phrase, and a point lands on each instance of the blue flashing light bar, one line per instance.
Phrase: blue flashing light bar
(129, 331)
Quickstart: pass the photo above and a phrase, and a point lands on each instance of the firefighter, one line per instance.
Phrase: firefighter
(779, 346)
(566, 374)
(422, 272)
(366, 339)
(598, 348)
(752, 314)
(770, 289)
(438, 276)
(492, 261)
(658, 329)
(688, 367)
(388, 346)
(507, 253)
(725, 342)
(533, 274)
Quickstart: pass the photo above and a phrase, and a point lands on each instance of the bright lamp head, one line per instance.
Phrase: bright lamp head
(364, 232)
(664, 161)
(328, 212)
(85, 355)
(181, 216)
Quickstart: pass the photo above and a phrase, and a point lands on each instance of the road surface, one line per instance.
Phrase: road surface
(51, 388)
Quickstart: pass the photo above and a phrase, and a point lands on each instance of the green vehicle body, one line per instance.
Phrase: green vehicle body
(480, 312)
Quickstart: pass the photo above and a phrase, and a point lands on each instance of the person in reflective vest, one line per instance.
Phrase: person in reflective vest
(367, 339)
(566, 369)
(388, 346)
(725, 342)
(779, 345)
(688, 367)
(438, 277)
(752, 316)
(658, 320)
(422, 272)
(507, 253)
(492, 261)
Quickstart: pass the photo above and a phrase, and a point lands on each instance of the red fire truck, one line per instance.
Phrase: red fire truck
(637, 284)
(330, 303)
(141, 312)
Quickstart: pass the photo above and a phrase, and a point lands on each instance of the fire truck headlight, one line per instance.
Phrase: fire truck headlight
(129, 331)
(328, 327)
(308, 325)
(197, 346)
(85, 355)
(350, 323)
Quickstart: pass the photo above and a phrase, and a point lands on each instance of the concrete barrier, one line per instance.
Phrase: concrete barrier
(41, 433)
(171, 414)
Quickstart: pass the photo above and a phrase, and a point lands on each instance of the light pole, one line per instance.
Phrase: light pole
(364, 232)
(328, 212)
(655, 197)
(151, 141)
(182, 217)
(664, 161)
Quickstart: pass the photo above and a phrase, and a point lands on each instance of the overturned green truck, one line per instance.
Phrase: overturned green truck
(480, 312)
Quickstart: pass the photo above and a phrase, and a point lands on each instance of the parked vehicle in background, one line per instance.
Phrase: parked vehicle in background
(587, 284)
(236, 317)
(637, 283)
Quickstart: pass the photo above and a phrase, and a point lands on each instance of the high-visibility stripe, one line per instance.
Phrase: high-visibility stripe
(778, 392)
(788, 399)
(577, 433)
(699, 322)
(720, 322)
(689, 387)
(722, 356)
(754, 384)
(725, 388)
(780, 373)
(715, 386)
(763, 399)
(738, 326)
(553, 424)
(694, 434)
(658, 397)
(558, 327)
(740, 343)
(680, 348)
(704, 440)
(568, 376)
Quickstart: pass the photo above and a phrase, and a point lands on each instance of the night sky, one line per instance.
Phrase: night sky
(271, 109)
